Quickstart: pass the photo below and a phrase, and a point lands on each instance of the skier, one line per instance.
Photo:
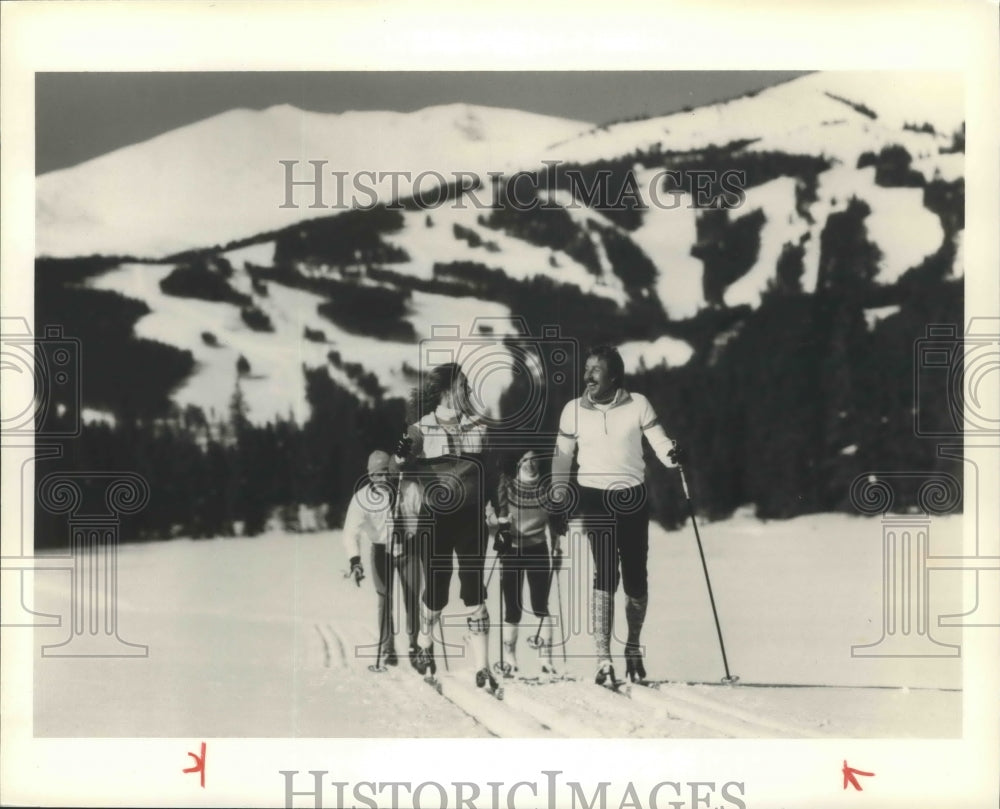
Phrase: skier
(520, 543)
(370, 516)
(446, 450)
(605, 427)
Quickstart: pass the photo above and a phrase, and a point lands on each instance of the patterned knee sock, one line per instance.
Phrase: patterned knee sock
(602, 606)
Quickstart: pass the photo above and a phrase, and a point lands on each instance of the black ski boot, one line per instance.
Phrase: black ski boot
(485, 679)
(424, 661)
(635, 671)
(605, 673)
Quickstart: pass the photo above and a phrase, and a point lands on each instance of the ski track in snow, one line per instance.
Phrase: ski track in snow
(727, 719)
(265, 637)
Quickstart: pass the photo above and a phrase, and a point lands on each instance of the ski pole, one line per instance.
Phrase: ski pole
(390, 576)
(378, 667)
(718, 629)
(500, 591)
(385, 628)
(490, 577)
(444, 644)
(535, 641)
(562, 636)
(390, 559)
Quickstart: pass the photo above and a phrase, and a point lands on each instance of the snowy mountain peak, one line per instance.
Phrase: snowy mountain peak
(799, 116)
(220, 179)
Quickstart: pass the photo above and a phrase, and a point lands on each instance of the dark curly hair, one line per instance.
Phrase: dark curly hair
(610, 355)
(435, 383)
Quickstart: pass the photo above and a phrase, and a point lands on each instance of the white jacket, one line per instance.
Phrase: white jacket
(369, 515)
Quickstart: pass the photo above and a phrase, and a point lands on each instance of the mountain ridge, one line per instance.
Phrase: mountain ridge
(672, 280)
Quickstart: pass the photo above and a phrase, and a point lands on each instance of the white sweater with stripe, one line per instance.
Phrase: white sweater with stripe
(608, 439)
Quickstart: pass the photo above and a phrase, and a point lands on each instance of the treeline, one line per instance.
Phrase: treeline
(782, 414)
(206, 279)
(780, 407)
(117, 370)
(223, 475)
(346, 239)
(727, 249)
(793, 400)
(611, 187)
(368, 309)
(801, 399)
(550, 227)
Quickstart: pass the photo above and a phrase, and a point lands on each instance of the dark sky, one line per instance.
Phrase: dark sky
(82, 115)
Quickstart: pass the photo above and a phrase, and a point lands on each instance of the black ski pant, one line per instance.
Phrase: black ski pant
(531, 562)
(616, 523)
(406, 568)
(461, 535)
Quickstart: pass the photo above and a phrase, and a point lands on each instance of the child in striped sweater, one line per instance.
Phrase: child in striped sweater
(524, 554)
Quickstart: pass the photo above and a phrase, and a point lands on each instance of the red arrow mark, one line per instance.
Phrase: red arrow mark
(849, 773)
(199, 764)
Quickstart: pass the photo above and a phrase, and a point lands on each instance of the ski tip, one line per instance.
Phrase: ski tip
(615, 687)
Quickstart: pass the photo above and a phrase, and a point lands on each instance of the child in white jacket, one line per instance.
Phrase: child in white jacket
(370, 519)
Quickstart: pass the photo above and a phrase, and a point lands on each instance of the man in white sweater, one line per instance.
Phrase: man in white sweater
(604, 428)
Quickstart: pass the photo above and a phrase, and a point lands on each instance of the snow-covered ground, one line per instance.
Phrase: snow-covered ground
(877, 314)
(264, 637)
(905, 231)
(666, 235)
(666, 351)
(276, 385)
(519, 259)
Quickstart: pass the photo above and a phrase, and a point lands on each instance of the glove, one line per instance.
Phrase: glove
(404, 448)
(559, 524)
(503, 540)
(357, 570)
(557, 555)
(678, 455)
